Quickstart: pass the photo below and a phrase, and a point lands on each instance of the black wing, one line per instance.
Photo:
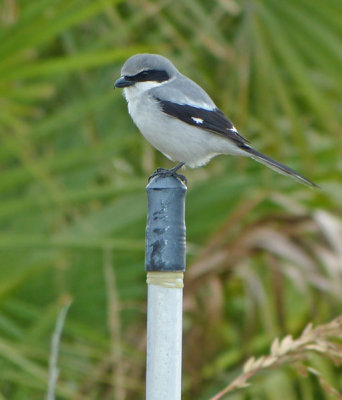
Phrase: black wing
(212, 120)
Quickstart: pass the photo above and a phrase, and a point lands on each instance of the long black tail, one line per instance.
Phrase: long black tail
(277, 166)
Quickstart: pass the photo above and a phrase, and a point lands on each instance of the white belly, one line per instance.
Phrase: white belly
(175, 139)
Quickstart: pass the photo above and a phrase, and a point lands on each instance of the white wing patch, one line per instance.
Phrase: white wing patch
(197, 120)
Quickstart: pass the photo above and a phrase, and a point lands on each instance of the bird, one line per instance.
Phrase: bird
(180, 119)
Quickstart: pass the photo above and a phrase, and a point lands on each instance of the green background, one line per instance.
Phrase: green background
(264, 252)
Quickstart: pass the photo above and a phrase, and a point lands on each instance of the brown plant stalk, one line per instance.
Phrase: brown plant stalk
(321, 340)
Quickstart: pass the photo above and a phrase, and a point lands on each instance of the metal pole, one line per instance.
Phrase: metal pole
(165, 265)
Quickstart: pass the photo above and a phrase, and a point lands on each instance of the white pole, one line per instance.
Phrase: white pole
(165, 265)
(164, 336)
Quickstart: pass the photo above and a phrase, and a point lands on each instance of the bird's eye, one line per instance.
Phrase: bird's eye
(144, 73)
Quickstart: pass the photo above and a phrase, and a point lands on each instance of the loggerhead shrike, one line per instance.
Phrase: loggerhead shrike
(180, 119)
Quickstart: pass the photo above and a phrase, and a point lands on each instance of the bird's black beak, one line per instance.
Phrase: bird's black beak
(123, 82)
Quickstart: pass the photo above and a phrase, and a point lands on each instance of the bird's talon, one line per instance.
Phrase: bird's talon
(182, 178)
(163, 172)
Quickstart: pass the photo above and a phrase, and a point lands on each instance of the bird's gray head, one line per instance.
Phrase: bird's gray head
(146, 68)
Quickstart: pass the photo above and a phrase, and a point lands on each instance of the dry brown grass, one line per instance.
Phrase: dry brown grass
(321, 340)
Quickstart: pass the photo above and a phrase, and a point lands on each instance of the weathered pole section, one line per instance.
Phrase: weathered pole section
(165, 266)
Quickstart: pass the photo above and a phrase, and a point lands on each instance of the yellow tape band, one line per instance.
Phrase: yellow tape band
(166, 279)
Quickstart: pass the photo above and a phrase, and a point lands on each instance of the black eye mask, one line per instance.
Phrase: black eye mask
(149, 75)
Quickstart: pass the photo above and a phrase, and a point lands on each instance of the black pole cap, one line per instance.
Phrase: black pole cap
(165, 229)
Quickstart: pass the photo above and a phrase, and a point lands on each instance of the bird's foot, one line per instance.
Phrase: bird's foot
(163, 172)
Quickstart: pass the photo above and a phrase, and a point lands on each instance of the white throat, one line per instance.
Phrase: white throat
(131, 93)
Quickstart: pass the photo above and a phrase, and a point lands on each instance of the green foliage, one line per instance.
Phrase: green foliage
(263, 258)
